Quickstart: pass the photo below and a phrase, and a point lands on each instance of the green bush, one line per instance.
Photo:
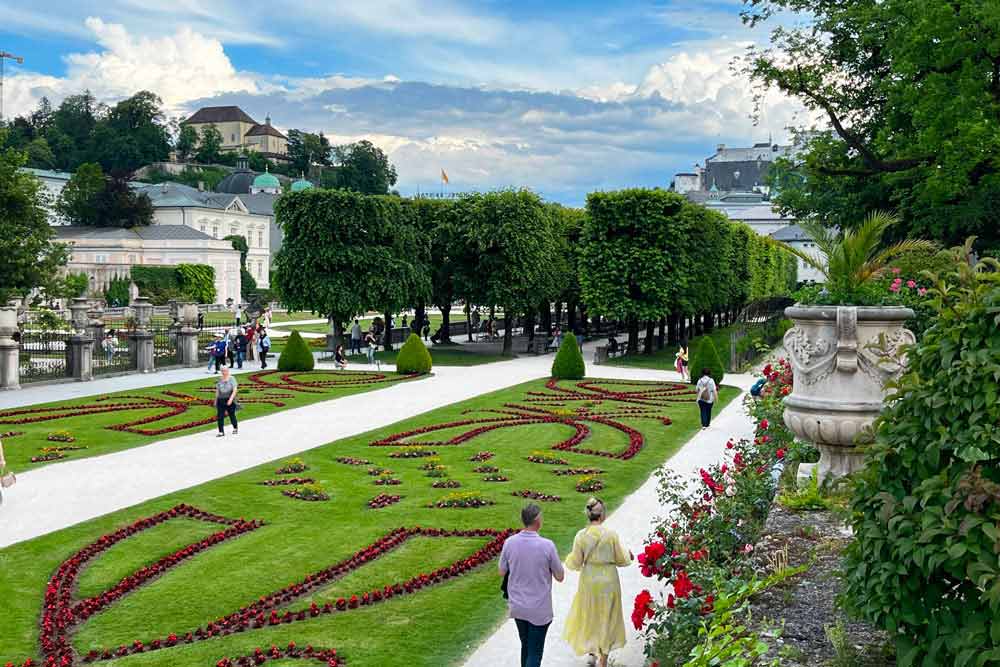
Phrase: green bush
(296, 356)
(117, 294)
(197, 281)
(926, 507)
(568, 364)
(413, 357)
(706, 355)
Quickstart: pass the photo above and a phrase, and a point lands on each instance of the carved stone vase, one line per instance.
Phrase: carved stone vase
(841, 358)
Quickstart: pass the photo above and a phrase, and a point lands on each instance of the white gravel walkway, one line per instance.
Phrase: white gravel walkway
(633, 521)
(64, 494)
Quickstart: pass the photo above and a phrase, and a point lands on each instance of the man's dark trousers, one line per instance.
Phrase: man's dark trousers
(532, 642)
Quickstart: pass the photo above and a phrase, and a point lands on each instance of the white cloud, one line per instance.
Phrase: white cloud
(179, 67)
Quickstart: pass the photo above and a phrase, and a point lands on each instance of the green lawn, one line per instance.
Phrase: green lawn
(90, 420)
(323, 327)
(434, 626)
(446, 355)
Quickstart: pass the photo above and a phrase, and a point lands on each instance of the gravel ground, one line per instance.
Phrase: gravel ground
(815, 632)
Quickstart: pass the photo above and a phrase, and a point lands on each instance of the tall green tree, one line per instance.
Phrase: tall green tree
(209, 145)
(363, 167)
(92, 199)
(187, 142)
(248, 285)
(306, 149)
(132, 134)
(449, 256)
(910, 90)
(30, 257)
(510, 238)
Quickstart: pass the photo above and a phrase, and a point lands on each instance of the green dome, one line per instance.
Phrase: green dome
(300, 185)
(266, 180)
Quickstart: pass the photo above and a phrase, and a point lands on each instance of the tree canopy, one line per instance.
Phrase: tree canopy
(363, 167)
(90, 198)
(911, 92)
(30, 258)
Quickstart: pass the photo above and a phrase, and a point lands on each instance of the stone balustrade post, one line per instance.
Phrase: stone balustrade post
(141, 339)
(95, 327)
(10, 350)
(187, 336)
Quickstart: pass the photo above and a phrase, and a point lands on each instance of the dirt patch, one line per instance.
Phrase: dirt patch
(814, 631)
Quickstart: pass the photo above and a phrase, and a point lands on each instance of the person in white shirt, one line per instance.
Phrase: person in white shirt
(356, 337)
(706, 392)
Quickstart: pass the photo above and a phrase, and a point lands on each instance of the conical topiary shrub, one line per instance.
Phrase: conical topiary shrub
(296, 356)
(568, 364)
(705, 355)
(414, 357)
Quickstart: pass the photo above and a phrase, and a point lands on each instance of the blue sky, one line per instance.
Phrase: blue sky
(562, 97)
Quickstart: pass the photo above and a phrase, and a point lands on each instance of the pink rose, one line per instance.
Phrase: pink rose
(896, 270)
(894, 287)
(922, 291)
(911, 284)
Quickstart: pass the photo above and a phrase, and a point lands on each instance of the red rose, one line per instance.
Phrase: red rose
(642, 609)
(780, 454)
(683, 585)
(763, 424)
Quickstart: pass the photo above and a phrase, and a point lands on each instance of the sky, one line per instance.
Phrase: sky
(564, 97)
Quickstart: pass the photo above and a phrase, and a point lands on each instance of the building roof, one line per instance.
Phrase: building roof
(266, 180)
(49, 174)
(148, 233)
(261, 203)
(266, 128)
(173, 195)
(791, 233)
(758, 152)
(301, 184)
(237, 183)
(220, 115)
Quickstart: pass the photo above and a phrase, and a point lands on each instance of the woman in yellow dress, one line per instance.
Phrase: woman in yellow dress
(596, 624)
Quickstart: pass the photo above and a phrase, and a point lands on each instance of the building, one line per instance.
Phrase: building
(107, 253)
(796, 237)
(53, 182)
(258, 192)
(240, 132)
(750, 208)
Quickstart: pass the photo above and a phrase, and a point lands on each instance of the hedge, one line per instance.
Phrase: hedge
(706, 355)
(296, 356)
(413, 357)
(568, 364)
(195, 282)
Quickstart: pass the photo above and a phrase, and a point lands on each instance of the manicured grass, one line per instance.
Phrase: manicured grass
(662, 360)
(92, 428)
(432, 627)
(442, 355)
(323, 328)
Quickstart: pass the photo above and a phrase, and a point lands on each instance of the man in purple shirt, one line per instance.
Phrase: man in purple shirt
(532, 562)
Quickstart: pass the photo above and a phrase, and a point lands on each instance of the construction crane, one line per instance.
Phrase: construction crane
(4, 56)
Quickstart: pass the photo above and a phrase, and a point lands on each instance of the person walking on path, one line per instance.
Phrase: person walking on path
(356, 337)
(225, 401)
(263, 346)
(681, 361)
(217, 351)
(596, 624)
(241, 347)
(530, 562)
(707, 392)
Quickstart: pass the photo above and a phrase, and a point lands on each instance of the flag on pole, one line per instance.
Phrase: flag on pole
(444, 177)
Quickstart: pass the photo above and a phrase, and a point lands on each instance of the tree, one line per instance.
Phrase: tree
(187, 142)
(363, 167)
(511, 241)
(442, 226)
(248, 285)
(30, 259)
(635, 255)
(210, 145)
(77, 202)
(911, 92)
(92, 199)
(132, 134)
(344, 254)
(306, 149)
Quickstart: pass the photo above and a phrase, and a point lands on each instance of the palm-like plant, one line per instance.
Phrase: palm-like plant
(850, 258)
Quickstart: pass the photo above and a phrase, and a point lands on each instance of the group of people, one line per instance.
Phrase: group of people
(237, 345)
(529, 563)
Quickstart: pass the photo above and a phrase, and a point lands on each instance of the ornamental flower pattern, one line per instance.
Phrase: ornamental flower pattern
(64, 612)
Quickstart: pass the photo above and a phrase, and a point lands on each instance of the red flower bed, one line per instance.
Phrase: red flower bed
(388, 481)
(383, 500)
(461, 501)
(479, 457)
(537, 495)
(482, 469)
(288, 481)
(375, 472)
(589, 485)
(50, 456)
(326, 656)
(495, 478)
(306, 494)
(10, 434)
(578, 471)
(351, 461)
(291, 469)
(548, 460)
(446, 484)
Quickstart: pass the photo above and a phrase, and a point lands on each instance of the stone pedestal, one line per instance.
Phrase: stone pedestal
(95, 327)
(9, 350)
(141, 339)
(80, 357)
(187, 336)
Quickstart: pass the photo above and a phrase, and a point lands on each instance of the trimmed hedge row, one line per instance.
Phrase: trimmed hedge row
(194, 282)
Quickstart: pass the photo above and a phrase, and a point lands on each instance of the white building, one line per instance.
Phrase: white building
(796, 237)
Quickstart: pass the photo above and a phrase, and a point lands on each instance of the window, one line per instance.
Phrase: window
(101, 259)
(232, 137)
(234, 230)
(260, 269)
(203, 228)
(260, 239)
(215, 231)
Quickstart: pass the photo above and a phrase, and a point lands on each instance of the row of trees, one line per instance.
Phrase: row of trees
(647, 257)
(136, 132)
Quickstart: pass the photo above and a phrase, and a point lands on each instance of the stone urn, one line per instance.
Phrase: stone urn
(841, 358)
(8, 321)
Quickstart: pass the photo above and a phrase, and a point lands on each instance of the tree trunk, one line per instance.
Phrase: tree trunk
(661, 338)
(559, 313)
(545, 317)
(387, 336)
(633, 334)
(672, 328)
(571, 315)
(529, 324)
(682, 331)
(337, 331)
(695, 325)
(709, 319)
(468, 318)
(445, 324)
(647, 347)
(419, 313)
(508, 347)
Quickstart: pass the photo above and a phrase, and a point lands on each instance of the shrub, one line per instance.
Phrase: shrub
(414, 357)
(706, 355)
(296, 356)
(926, 507)
(117, 294)
(568, 364)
